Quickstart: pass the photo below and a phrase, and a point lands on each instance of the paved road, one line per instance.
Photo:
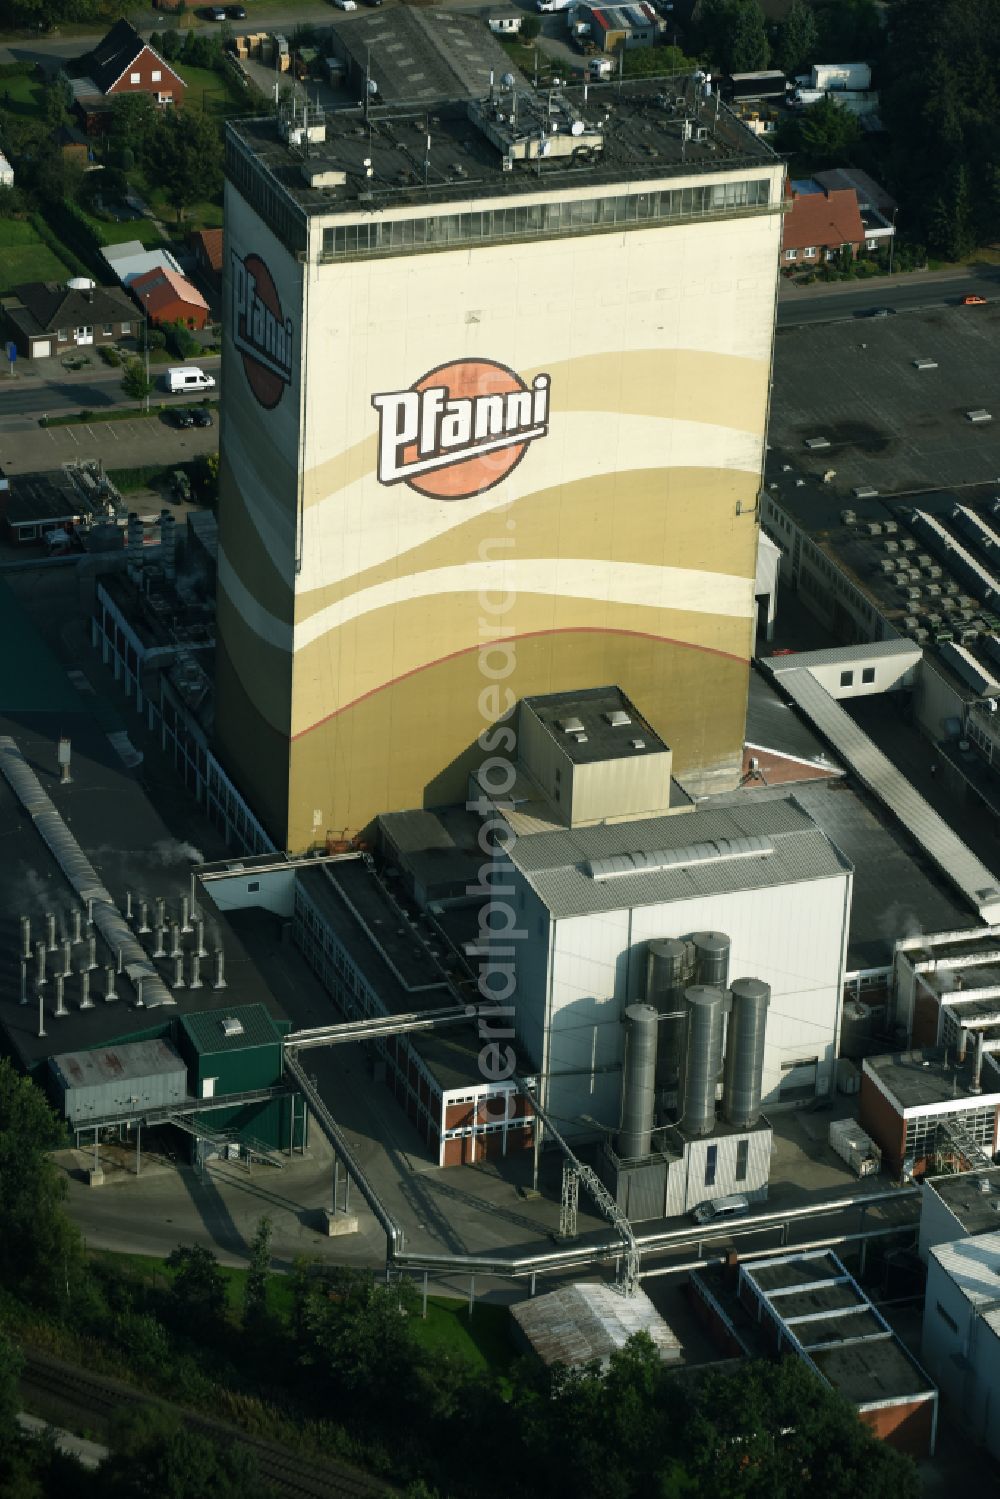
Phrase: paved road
(29, 395)
(907, 293)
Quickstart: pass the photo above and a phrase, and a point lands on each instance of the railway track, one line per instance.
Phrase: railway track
(96, 1398)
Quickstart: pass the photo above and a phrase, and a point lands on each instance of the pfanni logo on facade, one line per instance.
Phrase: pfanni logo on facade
(261, 332)
(460, 429)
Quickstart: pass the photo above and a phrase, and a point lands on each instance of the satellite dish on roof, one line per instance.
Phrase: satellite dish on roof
(577, 127)
(507, 80)
(372, 87)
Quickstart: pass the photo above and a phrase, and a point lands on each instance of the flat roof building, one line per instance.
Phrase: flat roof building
(959, 1205)
(961, 1333)
(809, 1304)
(547, 285)
(929, 1107)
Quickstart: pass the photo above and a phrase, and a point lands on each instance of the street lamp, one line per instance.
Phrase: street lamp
(145, 309)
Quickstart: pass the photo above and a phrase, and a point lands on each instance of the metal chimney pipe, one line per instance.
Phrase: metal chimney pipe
(86, 1003)
(199, 936)
(77, 933)
(128, 905)
(138, 989)
(176, 950)
(219, 982)
(110, 992)
(186, 914)
(60, 984)
(90, 910)
(976, 1085)
(41, 1013)
(121, 960)
(40, 974)
(963, 1042)
(178, 982)
(50, 932)
(196, 979)
(91, 952)
(67, 956)
(159, 951)
(161, 911)
(143, 916)
(24, 980)
(25, 937)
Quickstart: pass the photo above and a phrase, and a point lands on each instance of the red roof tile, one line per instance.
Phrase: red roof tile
(823, 220)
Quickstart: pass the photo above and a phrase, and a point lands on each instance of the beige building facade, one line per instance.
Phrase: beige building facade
(474, 451)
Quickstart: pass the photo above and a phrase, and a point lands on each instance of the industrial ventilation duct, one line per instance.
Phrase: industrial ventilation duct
(81, 874)
(657, 861)
(639, 1095)
(743, 1073)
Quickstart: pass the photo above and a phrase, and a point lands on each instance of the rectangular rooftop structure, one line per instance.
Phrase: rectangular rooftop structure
(508, 143)
(810, 1303)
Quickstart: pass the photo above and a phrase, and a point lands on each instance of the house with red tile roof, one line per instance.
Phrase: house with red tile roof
(170, 298)
(207, 247)
(820, 223)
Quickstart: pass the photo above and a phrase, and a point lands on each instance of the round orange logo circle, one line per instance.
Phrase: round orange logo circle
(467, 379)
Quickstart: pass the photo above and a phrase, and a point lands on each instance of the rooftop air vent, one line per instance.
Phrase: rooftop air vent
(618, 718)
(231, 1026)
(571, 725)
(638, 744)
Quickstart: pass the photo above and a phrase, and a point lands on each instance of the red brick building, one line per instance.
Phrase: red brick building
(124, 64)
(169, 298)
(820, 223)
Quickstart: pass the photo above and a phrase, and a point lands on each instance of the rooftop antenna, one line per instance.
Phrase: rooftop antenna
(368, 80)
(491, 87)
(427, 161)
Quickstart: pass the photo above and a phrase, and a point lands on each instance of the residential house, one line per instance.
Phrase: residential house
(878, 208)
(820, 224)
(124, 64)
(50, 317)
(131, 259)
(207, 247)
(170, 298)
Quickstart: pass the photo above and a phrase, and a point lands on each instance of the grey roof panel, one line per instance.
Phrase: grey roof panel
(953, 857)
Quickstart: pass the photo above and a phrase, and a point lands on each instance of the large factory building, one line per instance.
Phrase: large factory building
(496, 384)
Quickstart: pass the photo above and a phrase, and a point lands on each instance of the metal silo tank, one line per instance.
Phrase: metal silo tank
(744, 1065)
(667, 972)
(711, 957)
(703, 1057)
(639, 1082)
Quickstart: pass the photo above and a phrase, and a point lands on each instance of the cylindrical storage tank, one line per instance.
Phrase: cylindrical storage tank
(711, 958)
(639, 1083)
(706, 1007)
(666, 970)
(744, 1066)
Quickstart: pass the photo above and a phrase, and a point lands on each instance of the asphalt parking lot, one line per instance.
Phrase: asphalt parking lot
(120, 444)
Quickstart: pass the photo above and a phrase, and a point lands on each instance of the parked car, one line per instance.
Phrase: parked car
(201, 416)
(720, 1209)
(973, 300)
(182, 416)
(881, 312)
(236, 12)
(214, 13)
(373, 3)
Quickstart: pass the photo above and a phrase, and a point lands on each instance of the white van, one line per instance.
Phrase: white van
(188, 377)
(720, 1209)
